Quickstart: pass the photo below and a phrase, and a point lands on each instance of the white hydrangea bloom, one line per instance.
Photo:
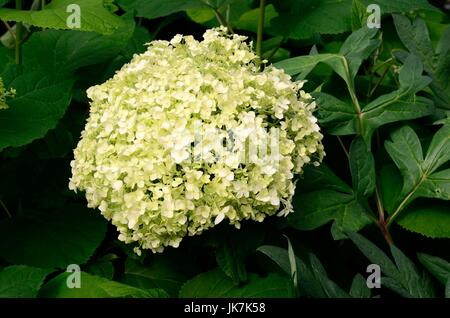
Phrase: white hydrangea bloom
(167, 149)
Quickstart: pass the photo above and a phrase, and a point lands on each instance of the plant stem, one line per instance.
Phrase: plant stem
(6, 209)
(403, 203)
(343, 147)
(260, 31)
(19, 29)
(381, 221)
(379, 81)
(42, 4)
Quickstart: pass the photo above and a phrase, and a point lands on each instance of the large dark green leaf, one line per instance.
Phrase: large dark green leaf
(356, 48)
(403, 277)
(232, 251)
(160, 274)
(417, 40)
(420, 178)
(301, 19)
(359, 287)
(63, 52)
(68, 236)
(388, 6)
(312, 278)
(152, 9)
(93, 16)
(317, 208)
(362, 167)
(40, 103)
(437, 266)
(428, 217)
(21, 281)
(403, 104)
(216, 284)
(95, 287)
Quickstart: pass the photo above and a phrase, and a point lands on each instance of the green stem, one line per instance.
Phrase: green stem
(19, 30)
(260, 31)
(383, 75)
(381, 220)
(343, 147)
(404, 201)
(42, 4)
(6, 209)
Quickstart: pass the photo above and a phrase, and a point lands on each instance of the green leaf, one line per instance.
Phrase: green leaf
(416, 38)
(292, 263)
(341, 119)
(321, 177)
(279, 255)
(356, 48)
(232, 251)
(375, 255)
(231, 262)
(362, 167)
(53, 240)
(359, 287)
(317, 208)
(93, 16)
(437, 266)
(447, 288)
(307, 282)
(337, 116)
(391, 183)
(359, 15)
(431, 219)
(21, 281)
(63, 52)
(403, 277)
(103, 266)
(152, 9)
(410, 276)
(94, 287)
(419, 176)
(216, 284)
(388, 6)
(160, 274)
(249, 20)
(40, 103)
(330, 288)
(304, 19)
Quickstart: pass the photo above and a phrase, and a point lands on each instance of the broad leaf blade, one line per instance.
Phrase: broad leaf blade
(317, 208)
(93, 16)
(437, 266)
(375, 255)
(160, 274)
(359, 287)
(411, 280)
(362, 167)
(216, 284)
(52, 240)
(94, 287)
(20, 281)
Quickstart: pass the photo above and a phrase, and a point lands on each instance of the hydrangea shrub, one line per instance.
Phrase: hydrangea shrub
(175, 141)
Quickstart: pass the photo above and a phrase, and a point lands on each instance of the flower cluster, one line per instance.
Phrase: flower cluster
(4, 94)
(153, 156)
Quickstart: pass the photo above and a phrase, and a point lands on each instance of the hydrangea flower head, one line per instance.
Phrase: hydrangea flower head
(190, 134)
